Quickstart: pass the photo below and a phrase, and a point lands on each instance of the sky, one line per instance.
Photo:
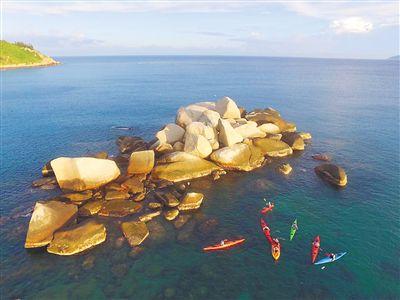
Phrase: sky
(332, 29)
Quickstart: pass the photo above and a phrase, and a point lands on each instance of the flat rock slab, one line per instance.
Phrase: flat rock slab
(135, 232)
(119, 208)
(191, 201)
(116, 195)
(78, 238)
(79, 197)
(90, 209)
(272, 147)
(150, 216)
(171, 214)
(47, 217)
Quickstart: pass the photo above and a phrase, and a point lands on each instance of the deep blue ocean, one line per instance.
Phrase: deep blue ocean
(351, 108)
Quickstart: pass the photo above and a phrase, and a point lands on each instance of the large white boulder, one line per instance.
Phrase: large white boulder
(227, 108)
(210, 118)
(198, 128)
(227, 135)
(84, 173)
(141, 162)
(170, 134)
(197, 145)
(207, 104)
(189, 114)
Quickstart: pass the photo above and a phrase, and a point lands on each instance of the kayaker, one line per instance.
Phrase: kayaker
(316, 244)
(222, 243)
(276, 240)
(294, 226)
(332, 256)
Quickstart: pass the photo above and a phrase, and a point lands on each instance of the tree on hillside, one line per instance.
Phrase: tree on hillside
(25, 45)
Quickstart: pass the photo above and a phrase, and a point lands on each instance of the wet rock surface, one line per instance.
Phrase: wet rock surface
(135, 232)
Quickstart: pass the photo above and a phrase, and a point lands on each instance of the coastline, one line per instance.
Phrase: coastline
(34, 65)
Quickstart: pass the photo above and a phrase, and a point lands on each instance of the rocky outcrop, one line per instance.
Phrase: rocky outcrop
(332, 173)
(170, 134)
(47, 217)
(182, 166)
(141, 162)
(84, 173)
(227, 135)
(135, 232)
(227, 108)
(78, 238)
(305, 135)
(273, 148)
(128, 144)
(240, 157)
(191, 201)
(294, 140)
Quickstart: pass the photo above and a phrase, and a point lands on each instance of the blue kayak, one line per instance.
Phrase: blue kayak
(327, 260)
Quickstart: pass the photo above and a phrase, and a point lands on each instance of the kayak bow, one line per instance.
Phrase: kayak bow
(327, 260)
(293, 229)
(226, 245)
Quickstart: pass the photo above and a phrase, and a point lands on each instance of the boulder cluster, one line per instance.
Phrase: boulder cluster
(151, 179)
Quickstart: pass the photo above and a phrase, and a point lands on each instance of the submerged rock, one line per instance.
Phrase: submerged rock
(241, 157)
(183, 167)
(128, 144)
(141, 162)
(285, 169)
(294, 140)
(84, 173)
(332, 173)
(321, 157)
(78, 238)
(47, 217)
(44, 181)
(273, 148)
(135, 232)
(171, 214)
(181, 220)
(154, 205)
(119, 208)
(191, 201)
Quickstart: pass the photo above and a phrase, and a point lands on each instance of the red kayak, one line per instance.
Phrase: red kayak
(268, 208)
(266, 230)
(315, 248)
(224, 245)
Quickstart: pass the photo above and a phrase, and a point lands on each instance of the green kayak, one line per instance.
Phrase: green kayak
(293, 229)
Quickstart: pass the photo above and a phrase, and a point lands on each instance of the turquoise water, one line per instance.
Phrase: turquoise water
(351, 107)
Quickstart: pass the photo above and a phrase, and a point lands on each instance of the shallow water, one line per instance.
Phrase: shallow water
(351, 107)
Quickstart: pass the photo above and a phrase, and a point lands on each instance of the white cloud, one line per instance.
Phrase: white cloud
(351, 25)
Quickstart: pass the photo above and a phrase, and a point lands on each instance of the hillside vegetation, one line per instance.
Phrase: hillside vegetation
(14, 55)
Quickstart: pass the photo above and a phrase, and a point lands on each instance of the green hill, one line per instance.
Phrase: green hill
(17, 55)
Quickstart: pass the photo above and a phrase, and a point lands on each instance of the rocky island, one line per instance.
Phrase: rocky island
(148, 180)
(21, 55)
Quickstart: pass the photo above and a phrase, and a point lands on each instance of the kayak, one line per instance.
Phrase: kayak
(226, 245)
(268, 208)
(276, 250)
(327, 260)
(266, 230)
(293, 229)
(315, 248)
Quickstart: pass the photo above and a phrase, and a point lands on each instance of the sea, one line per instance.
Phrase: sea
(351, 108)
